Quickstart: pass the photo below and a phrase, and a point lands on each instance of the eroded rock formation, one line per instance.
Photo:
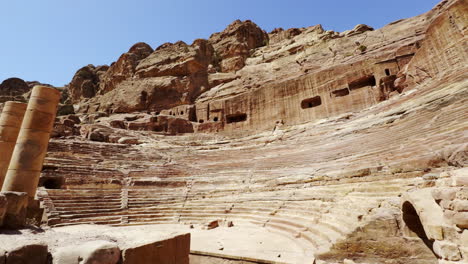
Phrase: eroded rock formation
(295, 146)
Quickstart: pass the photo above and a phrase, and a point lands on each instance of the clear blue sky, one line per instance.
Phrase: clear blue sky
(49, 40)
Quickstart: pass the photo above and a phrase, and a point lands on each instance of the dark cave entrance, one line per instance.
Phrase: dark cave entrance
(52, 183)
(387, 72)
(236, 118)
(340, 92)
(311, 102)
(362, 82)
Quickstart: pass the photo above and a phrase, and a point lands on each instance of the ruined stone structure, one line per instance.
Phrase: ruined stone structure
(10, 123)
(297, 146)
(31, 146)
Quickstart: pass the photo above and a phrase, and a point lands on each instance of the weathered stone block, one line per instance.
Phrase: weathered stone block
(444, 193)
(458, 218)
(448, 251)
(462, 194)
(94, 252)
(460, 205)
(28, 254)
(460, 181)
(15, 215)
(170, 251)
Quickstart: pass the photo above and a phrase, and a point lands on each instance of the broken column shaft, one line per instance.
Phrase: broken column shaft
(33, 139)
(10, 123)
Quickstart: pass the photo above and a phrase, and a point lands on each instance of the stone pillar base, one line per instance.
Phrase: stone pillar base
(14, 206)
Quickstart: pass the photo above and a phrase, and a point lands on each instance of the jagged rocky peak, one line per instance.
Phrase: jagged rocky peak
(234, 44)
(177, 59)
(124, 67)
(14, 86)
(85, 83)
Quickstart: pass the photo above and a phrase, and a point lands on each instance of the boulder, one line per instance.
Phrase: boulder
(28, 254)
(94, 252)
(212, 225)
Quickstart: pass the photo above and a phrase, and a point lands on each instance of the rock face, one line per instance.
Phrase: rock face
(347, 145)
(234, 45)
(14, 87)
(86, 81)
(174, 74)
(124, 67)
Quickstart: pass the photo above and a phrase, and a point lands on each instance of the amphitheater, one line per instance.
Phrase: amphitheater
(316, 147)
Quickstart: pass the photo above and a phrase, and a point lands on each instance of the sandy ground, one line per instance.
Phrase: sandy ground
(251, 242)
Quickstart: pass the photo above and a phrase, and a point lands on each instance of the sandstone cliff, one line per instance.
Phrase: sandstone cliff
(295, 146)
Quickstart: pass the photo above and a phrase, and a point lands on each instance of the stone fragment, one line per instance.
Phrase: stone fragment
(94, 252)
(212, 225)
(28, 254)
(170, 251)
(445, 250)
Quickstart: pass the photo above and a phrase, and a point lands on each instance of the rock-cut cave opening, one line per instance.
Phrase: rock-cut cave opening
(340, 92)
(234, 118)
(311, 102)
(413, 222)
(52, 183)
(368, 80)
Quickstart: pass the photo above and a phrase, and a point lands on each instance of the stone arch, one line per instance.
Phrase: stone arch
(413, 223)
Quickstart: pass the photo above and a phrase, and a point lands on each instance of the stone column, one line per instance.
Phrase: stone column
(10, 123)
(33, 139)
